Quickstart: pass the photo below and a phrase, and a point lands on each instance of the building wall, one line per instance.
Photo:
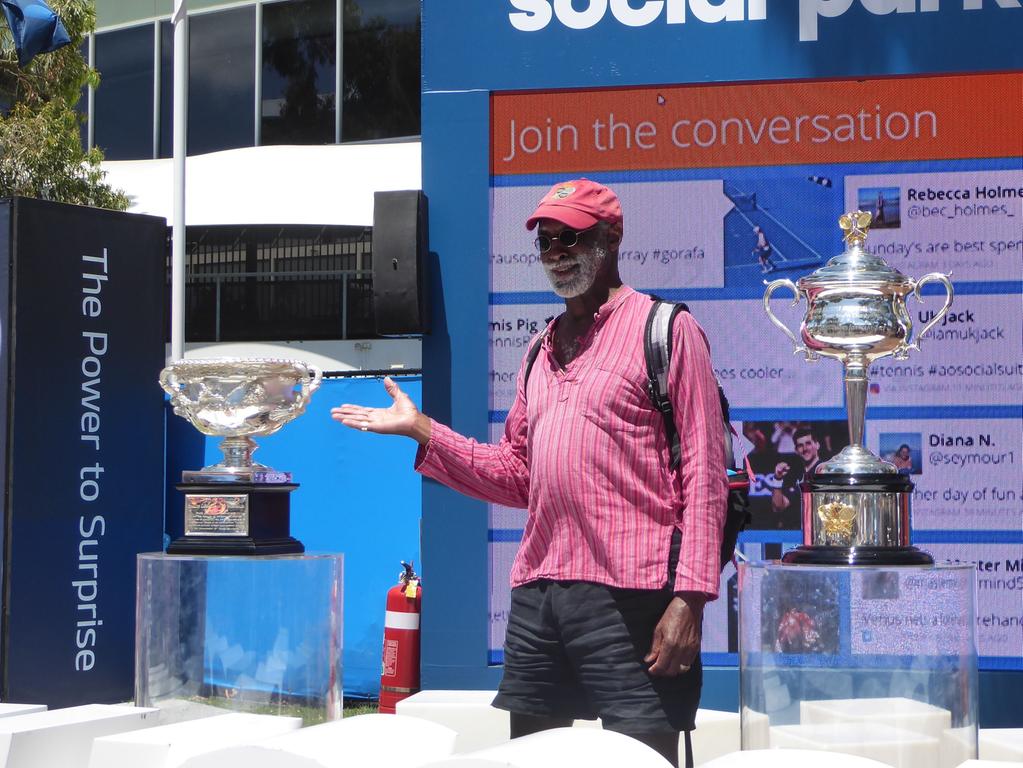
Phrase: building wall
(110, 13)
(260, 73)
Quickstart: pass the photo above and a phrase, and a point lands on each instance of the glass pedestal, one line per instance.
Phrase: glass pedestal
(879, 662)
(245, 634)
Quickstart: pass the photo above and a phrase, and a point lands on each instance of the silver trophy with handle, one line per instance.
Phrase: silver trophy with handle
(856, 507)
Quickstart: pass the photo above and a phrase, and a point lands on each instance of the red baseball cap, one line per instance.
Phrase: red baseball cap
(579, 204)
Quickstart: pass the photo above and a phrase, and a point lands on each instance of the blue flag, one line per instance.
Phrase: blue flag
(35, 27)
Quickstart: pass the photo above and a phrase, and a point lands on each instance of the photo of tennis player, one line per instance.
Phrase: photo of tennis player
(800, 613)
(883, 204)
(781, 455)
(903, 449)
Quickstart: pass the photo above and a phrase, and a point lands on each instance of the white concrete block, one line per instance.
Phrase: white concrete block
(776, 693)
(957, 746)
(480, 725)
(1001, 744)
(467, 713)
(364, 741)
(984, 764)
(558, 748)
(885, 743)
(167, 746)
(903, 713)
(756, 729)
(14, 710)
(63, 737)
(181, 710)
(791, 758)
(717, 733)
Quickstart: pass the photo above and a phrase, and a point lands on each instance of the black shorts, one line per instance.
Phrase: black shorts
(575, 650)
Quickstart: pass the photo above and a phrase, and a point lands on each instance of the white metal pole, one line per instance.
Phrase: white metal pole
(339, 52)
(179, 21)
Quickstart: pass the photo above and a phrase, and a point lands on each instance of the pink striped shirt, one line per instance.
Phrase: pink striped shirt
(585, 452)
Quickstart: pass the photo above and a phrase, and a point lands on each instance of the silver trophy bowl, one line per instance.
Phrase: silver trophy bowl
(856, 313)
(238, 399)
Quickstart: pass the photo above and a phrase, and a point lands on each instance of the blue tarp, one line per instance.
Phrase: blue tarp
(358, 495)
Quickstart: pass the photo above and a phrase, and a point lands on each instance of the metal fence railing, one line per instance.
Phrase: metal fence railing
(278, 283)
(260, 306)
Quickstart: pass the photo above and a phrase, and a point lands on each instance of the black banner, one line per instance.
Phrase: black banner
(83, 343)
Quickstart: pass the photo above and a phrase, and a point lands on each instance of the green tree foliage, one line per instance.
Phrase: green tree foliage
(41, 152)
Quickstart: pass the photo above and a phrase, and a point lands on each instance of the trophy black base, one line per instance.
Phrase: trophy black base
(240, 545)
(883, 556)
(245, 519)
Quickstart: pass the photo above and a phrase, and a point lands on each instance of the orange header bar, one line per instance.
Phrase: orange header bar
(919, 118)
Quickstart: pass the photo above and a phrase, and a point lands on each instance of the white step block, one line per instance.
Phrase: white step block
(561, 747)
(1001, 744)
(364, 741)
(467, 713)
(167, 746)
(957, 746)
(182, 710)
(985, 764)
(62, 738)
(791, 758)
(885, 743)
(480, 725)
(717, 733)
(13, 710)
(902, 713)
(757, 728)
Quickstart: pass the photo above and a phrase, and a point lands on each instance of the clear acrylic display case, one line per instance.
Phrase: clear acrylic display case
(879, 662)
(246, 634)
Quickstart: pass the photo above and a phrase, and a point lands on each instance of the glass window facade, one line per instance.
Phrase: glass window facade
(123, 103)
(166, 89)
(221, 80)
(294, 98)
(297, 105)
(380, 88)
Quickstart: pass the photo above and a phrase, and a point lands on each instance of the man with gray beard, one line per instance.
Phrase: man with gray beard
(621, 547)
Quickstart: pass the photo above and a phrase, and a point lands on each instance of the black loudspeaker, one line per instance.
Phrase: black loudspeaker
(401, 245)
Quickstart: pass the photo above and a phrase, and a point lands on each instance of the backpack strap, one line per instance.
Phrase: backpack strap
(531, 356)
(657, 347)
(657, 351)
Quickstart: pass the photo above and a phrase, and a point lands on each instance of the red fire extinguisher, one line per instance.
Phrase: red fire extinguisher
(399, 672)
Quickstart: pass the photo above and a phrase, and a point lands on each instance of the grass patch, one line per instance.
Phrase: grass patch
(354, 707)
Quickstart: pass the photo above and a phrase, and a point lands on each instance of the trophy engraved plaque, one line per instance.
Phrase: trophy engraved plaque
(856, 507)
(238, 506)
(218, 515)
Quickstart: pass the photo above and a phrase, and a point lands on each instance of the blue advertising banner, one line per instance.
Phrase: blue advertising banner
(548, 44)
(710, 119)
(83, 343)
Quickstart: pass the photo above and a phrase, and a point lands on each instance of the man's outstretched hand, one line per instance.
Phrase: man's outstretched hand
(401, 418)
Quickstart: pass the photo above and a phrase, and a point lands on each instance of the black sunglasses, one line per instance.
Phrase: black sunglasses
(567, 237)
